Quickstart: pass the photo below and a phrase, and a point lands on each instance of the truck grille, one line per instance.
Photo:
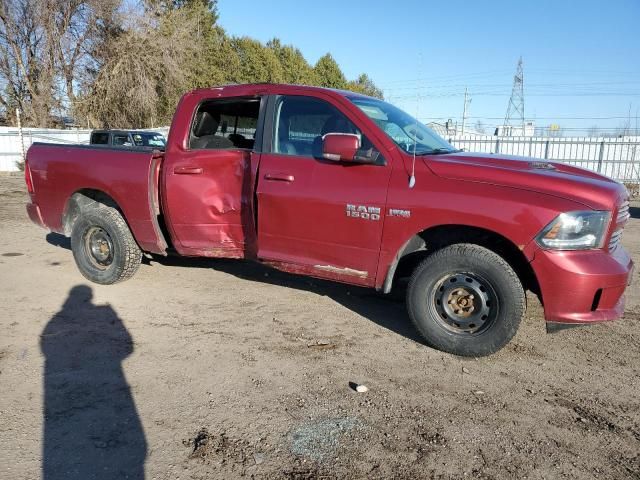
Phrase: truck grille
(623, 213)
(615, 240)
(623, 216)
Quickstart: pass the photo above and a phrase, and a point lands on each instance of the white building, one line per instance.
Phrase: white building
(516, 130)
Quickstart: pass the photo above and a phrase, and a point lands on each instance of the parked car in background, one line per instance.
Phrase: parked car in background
(344, 187)
(128, 138)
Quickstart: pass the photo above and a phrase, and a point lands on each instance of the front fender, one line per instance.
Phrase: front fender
(516, 215)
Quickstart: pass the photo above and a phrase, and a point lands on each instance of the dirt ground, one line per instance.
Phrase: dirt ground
(222, 369)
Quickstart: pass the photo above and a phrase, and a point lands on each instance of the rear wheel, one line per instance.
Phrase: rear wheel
(466, 300)
(103, 247)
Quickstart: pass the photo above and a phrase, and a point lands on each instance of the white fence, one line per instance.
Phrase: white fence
(11, 150)
(618, 158)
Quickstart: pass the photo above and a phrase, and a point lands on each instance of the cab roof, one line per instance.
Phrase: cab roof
(253, 89)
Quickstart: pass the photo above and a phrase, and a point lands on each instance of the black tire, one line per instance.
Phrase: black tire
(466, 300)
(103, 247)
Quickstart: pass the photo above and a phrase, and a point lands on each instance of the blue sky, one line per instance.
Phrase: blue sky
(581, 58)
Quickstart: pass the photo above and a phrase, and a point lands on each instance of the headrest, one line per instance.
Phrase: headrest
(206, 124)
(283, 129)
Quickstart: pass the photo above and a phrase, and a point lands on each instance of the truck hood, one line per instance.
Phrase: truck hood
(551, 178)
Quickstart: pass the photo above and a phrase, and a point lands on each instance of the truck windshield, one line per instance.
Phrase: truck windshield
(407, 132)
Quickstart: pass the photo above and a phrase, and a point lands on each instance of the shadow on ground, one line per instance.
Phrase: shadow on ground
(58, 240)
(387, 311)
(91, 425)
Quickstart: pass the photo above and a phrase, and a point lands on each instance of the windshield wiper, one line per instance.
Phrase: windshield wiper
(440, 151)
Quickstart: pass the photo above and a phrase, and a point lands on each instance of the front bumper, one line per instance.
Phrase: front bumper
(581, 287)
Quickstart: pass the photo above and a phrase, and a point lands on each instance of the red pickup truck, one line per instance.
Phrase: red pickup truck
(345, 187)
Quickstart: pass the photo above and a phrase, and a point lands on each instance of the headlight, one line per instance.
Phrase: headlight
(575, 231)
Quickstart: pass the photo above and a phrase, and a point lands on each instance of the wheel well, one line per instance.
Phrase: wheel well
(85, 198)
(428, 241)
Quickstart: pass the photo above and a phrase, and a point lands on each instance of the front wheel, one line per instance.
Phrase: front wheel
(466, 300)
(103, 247)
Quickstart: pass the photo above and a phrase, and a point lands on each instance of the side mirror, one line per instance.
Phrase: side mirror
(340, 146)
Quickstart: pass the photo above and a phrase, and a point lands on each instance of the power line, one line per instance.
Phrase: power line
(505, 86)
(606, 76)
(539, 94)
(447, 77)
(543, 127)
(536, 118)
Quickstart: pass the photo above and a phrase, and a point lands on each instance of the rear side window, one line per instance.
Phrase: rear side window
(121, 139)
(100, 138)
(225, 124)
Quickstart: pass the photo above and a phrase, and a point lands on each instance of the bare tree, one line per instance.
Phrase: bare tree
(75, 31)
(46, 46)
(593, 131)
(145, 71)
(25, 67)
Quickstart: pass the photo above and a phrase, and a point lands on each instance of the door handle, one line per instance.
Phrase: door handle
(188, 170)
(279, 177)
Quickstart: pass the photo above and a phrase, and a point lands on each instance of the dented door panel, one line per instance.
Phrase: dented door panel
(210, 203)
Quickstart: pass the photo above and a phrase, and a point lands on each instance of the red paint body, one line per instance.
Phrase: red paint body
(292, 211)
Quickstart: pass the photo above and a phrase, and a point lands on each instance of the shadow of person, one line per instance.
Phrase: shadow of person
(91, 425)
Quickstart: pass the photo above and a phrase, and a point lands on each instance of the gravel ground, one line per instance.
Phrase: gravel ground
(211, 369)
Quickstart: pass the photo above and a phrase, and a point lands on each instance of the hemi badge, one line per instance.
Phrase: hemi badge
(397, 212)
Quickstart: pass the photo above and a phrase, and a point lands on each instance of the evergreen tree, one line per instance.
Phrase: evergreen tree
(363, 84)
(295, 68)
(257, 62)
(328, 73)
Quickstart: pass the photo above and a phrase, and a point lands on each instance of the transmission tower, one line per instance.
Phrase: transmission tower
(515, 108)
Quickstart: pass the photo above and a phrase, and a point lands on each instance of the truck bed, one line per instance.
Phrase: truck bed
(128, 175)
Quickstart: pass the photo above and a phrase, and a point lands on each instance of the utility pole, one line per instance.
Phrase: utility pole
(515, 107)
(464, 108)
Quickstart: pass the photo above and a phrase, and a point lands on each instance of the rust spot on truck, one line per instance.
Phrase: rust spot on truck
(342, 271)
(225, 252)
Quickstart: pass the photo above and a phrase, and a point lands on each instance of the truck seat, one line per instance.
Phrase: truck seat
(204, 132)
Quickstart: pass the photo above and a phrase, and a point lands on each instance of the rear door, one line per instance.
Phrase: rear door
(208, 193)
(320, 217)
